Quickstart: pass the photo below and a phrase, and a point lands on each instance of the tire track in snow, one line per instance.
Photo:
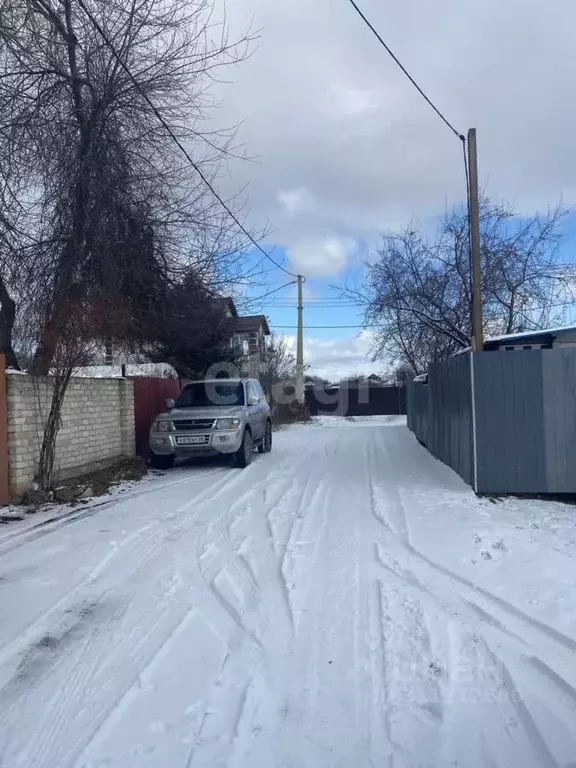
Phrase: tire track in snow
(221, 554)
(415, 665)
(545, 757)
(315, 688)
(464, 611)
(225, 553)
(123, 702)
(476, 677)
(466, 618)
(116, 557)
(84, 643)
(389, 512)
(406, 551)
(509, 610)
(151, 546)
(382, 747)
(18, 539)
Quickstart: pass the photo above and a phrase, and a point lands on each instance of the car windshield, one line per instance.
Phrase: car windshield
(210, 393)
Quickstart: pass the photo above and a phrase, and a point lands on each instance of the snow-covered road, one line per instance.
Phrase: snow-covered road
(344, 602)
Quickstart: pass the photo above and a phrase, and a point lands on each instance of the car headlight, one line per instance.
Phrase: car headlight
(227, 423)
(163, 425)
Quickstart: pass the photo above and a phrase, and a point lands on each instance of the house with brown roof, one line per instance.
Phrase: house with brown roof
(249, 336)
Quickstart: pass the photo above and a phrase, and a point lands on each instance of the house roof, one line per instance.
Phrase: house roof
(226, 302)
(547, 335)
(544, 336)
(252, 323)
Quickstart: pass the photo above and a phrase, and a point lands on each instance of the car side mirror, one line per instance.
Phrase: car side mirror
(170, 403)
(253, 400)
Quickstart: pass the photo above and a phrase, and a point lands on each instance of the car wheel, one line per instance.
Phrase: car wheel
(244, 453)
(161, 462)
(266, 445)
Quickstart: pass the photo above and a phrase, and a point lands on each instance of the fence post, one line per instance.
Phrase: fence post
(4, 472)
(473, 407)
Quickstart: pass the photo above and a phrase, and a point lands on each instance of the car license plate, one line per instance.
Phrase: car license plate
(199, 440)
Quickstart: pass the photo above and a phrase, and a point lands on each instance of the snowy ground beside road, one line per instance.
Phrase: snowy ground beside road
(344, 602)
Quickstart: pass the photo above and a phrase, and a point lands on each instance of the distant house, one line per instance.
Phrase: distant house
(226, 303)
(249, 336)
(550, 338)
(251, 333)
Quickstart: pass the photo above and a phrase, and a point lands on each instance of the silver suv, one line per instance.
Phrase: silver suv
(228, 416)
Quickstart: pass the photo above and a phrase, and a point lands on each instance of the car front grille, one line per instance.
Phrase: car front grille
(191, 425)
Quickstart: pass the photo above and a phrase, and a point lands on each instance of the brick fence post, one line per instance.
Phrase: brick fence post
(127, 426)
(4, 476)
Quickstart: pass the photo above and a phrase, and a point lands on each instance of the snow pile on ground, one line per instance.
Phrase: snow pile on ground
(338, 422)
(345, 601)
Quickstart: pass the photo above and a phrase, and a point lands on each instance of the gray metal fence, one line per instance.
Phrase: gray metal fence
(525, 419)
(440, 414)
(351, 399)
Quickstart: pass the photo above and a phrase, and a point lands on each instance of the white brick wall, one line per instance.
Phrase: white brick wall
(97, 426)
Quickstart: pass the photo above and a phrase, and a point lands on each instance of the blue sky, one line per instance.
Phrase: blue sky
(343, 147)
(330, 351)
(334, 351)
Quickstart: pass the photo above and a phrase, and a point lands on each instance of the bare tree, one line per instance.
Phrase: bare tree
(116, 204)
(73, 347)
(100, 212)
(280, 365)
(417, 293)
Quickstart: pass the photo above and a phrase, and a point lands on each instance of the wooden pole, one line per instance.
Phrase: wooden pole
(477, 331)
(300, 346)
(4, 471)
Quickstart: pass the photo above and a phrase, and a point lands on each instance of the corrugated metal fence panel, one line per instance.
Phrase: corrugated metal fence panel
(510, 422)
(356, 401)
(559, 396)
(525, 419)
(150, 400)
(450, 414)
(418, 410)
(439, 413)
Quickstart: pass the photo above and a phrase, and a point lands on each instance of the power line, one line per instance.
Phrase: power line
(257, 298)
(403, 68)
(274, 307)
(368, 325)
(177, 141)
(428, 101)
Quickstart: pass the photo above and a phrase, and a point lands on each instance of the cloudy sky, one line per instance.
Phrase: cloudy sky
(345, 148)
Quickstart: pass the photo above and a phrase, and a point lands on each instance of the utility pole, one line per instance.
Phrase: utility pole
(477, 331)
(300, 346)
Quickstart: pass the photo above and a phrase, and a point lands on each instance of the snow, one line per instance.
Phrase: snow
(346, 601)
(158, 370)
(539, 332)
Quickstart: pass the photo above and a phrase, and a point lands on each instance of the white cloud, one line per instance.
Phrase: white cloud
(296, 201)
(321, 258)
(334, 359)
(328, 114)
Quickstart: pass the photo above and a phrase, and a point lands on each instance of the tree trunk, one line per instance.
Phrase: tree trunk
(7, 317)
(72, 254)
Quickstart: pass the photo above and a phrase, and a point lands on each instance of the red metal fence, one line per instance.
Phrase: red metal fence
(150, 400)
